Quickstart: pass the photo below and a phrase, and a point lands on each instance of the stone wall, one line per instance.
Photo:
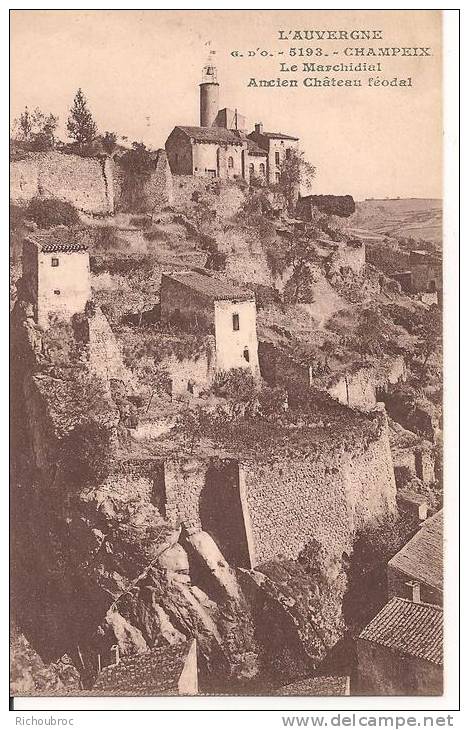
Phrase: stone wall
(327, 497)
(90, 184)
(81, 181)
(105, 358)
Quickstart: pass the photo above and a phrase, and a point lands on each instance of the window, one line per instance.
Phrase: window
(246, 354)
(235, 322)
(230, 162)
(55, 262)
(277, 177)
(288, 153)
(277, 158)
(262, 169)
(56, 291)
(251, 169)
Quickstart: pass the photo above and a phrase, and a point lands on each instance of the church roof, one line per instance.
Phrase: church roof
(212, 134)
(209, 286)
(422, 557)
(413, 629)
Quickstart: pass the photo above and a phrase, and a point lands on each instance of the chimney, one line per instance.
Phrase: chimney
(115, 658)
(414, 590)
(259, 127)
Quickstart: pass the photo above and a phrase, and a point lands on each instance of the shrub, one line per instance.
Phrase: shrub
(236, 384)
(50, 212)
(141, 221)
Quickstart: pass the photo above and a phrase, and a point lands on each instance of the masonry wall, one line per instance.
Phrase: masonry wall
(105, 357)
(81, 181)
(326, 497)
(384, 672)
(191, 375)
(156, 188)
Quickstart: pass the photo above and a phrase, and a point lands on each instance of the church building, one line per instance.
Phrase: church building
(221, 147)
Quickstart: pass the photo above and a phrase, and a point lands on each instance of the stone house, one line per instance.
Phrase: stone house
(424, 275)
(417, 569)
(277, 146)
(400, 652)
(56, 278)
(210, 305)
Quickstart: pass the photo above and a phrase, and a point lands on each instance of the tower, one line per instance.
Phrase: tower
(209, 87)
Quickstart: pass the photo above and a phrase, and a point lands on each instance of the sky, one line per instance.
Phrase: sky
(140, 72)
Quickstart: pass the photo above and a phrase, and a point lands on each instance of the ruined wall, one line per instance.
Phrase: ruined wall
(89, 184)
(355, 389)
(81, 181)
(191, 375)
(327, 497)
(105, 358)
(278, 367)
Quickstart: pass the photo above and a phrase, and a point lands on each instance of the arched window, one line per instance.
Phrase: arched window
(251, 169)
(262, 169)
(230, 162)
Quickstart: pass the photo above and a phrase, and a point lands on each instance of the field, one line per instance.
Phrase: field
(417, 218)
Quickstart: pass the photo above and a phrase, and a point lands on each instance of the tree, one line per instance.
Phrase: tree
(81, 126)
(37, 128)
(109, 142)
(295, 173)
(300, 255)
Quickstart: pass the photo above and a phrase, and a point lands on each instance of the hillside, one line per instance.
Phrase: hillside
(418, 218)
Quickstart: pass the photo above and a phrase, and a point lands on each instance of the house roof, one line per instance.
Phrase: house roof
(155, 672)
(209, 286)
(63, 247)
(422, 557)
(278, 135)
(413, 629)
(212, 134)
(317, 687)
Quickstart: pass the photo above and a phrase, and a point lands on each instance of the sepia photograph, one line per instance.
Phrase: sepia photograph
(226, 353)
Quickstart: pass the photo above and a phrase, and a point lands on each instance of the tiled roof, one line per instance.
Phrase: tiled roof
(212, 134)
(155, 672)
(63, 247)
(317, 687)
(209, 286)
(414, 629)
(422, 557)
(278, 135)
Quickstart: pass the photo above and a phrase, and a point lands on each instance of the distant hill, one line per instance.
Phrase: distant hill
(419, 218)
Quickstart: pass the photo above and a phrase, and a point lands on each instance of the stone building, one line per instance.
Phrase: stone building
(424, 275)
(277, 146)
(400, 652)
(210, 305)
(220, 146)
(56, 277)
(416, 571)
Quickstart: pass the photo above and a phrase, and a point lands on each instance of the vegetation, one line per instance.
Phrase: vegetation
(137, 164)
(50, 212)
(295, 172)
(81, 126)
(36, 128)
